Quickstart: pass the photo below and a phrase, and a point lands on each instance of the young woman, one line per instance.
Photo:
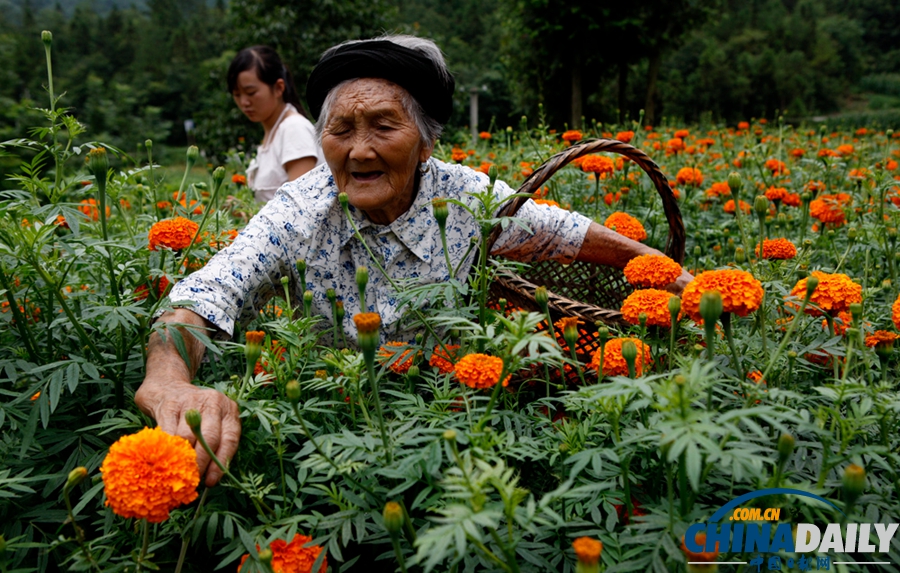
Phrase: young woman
(264, 91)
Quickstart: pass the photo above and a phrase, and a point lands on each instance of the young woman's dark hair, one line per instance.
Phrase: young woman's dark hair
(268, 66)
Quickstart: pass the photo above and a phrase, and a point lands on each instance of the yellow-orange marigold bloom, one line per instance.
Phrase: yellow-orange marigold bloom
(626, 225)
(588, 550)
(572, 135)
(549, 202)
(674, 145)
(791, 199)
(175, 234)
(443, 361)
(829, 208)
(845, 149)
(895, 313)
(654, 271)
(741, 292)
(91, 209)
(728, 207)
(777, 249)
(255, 337)
(239, 179)
(743, 125)
(882, 339)
(719, 189)
(689, 176)
(400, 365)
(682, 133)
(150, 473)
(458, 154)
(480, 371)
(613, 362)
(597, 164)
(625, 136)
(293, 557)
(776, 193)
(834, 293)
(485, 135)
(776, 167)
(652, 302)
(367, 322)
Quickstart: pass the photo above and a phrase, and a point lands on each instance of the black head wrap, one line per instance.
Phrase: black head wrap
(410, 69)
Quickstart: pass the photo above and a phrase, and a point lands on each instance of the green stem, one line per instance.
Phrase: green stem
(494, 394)
(488, 553)
(398, 553)
(369, 355)
(186, 536)
(18, 317)
(726, 325)
(206, 212)
(787, 338)
(144, 544)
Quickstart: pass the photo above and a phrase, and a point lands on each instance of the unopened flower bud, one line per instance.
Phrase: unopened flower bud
(218, 175)
(47, 37)
(698, 252)
(450, 435)
(362, 278)
(891, 233)
(193, 419)
(542, 298)
(441, 211)
(792, 355)
(761, 206)
(629, 353)
(603, 334)
(284, 281)
(854, 482)
(148, 143)
(265, 556)
(739, 256)
(811, 283)
(330, 295)
(785, 447)
(735, 183)
(301, 270)
(253, 347)
(192, 155)
(563, 448)
(856, 310)
(393, 517)
(343, 199)
(98, 163)
(711, 306)
(493, 172)
(76, 476)
(292, 391)
(674, 306)
(413, 372)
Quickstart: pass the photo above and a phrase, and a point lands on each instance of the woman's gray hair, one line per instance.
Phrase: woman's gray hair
(429, 129)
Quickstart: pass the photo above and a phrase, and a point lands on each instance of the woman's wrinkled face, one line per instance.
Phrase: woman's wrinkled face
(259, 101)
(373, 148)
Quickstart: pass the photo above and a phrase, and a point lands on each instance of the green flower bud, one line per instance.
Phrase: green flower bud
(792, 355)
(450, 435)
(603, 334)
(307, 297)
(856, 310)
(292, 391)
(343, 199)
(441, 211)
(642, 319)
(674, 307)
(502, 304)
(542, 298)
(735, 183)
(493, 173)
(698, 252)
(193, 419)
(47, 38)
(330, 295)
(192, 155)
(739, 256)
(806, 197)
(629, 353)
(362, 277)
(811, 283)
(393, 517)
(98, 163)
(785, 447)
(265, 556)
(413, 372)
(761, 206)
(891, 233)
(711, 306)
(419, 338)
(218, 175)
(339, 312)
(76, 476)
(284, 281)
(563, 448)
(889, 133)
(854, 482)
(301, 270)
(148, 143)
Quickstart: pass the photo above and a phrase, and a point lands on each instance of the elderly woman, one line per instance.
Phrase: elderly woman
(381, 105)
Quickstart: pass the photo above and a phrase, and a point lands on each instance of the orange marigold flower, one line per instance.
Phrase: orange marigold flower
(829, 208)
(825, 152)
(485, 135)
(175, 234)
(35, 396)
(485, 167)
(91, 209)
(682, 133)
(609, 198)
(367, 322)
(255, 337)
(626, 225)
(572, 135)
(797, 152)
(458, 154)
(400, 365)
(845, 150)
(755, 376)
(704, 556)
(588, 550)
(881, 339)
(239, 179)
(61, 222)
(719, 189)
(654, 271)
(815, 186)
(860, 173)
(142, 291)
(743, 125)
(834, 293)
(546, 202)
(613, 362)
(689, 176)
(150, 473)
(293, 557)
(792, 199)
(776, 167)
(443, 361)
(728, 207)
(674, 145)
(842, 321)
(741, 292)
(480, 371)
(777, 249)
(625, 136)
(597, 164)
(776, 193)
(895, 312)
(652, 302)
(890, 165)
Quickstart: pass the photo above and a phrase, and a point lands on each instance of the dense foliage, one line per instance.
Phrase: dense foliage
(393, 456)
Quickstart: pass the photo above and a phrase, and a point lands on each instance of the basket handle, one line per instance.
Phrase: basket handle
(676, 239)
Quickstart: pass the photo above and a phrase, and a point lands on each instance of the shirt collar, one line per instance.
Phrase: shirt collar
(416, 228)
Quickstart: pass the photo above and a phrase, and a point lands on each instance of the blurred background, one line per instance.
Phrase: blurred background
(138, 69)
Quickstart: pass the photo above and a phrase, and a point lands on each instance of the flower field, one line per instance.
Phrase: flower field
(488, 443)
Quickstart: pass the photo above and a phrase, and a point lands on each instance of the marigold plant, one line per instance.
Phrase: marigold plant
(881, 339)
(150, 473)
(654, 271)
(614, 363)
(728, 207)
(293, 557)
(895, 313)
(480, 371)
(175, 234)
(741, 292)
(626, 225)
(389, 350)
(777, 249)
(652, 302)
(444, 361)
(588, 550)
(689, 176)
(597, 164)
(834, 293)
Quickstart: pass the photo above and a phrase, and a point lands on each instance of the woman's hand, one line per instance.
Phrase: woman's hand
(168, 401)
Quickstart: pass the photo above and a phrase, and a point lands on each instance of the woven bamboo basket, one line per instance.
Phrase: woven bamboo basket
(587, 291)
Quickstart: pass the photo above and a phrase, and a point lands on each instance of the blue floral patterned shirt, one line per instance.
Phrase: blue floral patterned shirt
(305, 221)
